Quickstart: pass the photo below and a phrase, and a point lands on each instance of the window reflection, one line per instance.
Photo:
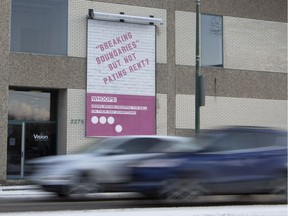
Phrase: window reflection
(39, 26)
(211, 40)
(29, 105)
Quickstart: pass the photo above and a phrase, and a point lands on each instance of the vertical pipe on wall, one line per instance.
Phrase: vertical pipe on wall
(197, 87)
(22, 150)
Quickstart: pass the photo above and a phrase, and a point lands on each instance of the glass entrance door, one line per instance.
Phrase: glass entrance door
(27, 141)
(40, 139)
(32, 120)
(14, 150)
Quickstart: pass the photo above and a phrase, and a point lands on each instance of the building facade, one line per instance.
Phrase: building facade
(43, 70)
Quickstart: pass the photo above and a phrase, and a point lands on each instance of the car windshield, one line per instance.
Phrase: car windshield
(139, 145)
(105, 146)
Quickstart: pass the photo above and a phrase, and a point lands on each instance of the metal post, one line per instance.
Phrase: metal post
(197, 84)
(22, 150)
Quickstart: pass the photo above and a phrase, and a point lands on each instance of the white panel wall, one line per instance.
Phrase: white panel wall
(185, 25)
(255, 45)
(223, 111)
(77, 33)
(76, 108)
(125, 77)
(161, 118)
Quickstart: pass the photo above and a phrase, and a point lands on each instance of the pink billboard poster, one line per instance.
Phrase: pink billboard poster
(121, 89)
(116, 115)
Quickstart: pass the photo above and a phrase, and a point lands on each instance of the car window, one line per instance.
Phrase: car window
(135, 145)
(189, 145)
(138, 145)
(242, 140)
(262, 140)
(105, 146)
(281, 140)
(227, 143)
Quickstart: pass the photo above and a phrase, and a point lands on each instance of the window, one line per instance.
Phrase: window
(39, 26)
(242, 140)
(212, 40)
(31, 106)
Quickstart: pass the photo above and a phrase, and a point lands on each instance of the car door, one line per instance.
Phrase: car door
(270, 159)
(235, 163)
(114, 167)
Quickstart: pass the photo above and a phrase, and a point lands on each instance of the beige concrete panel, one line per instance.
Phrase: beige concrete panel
(223, 111)
(244, 111)
(161, 115)
(185, 25)
(76, 113)
(77, 33)
(185, 111)
(255, 45)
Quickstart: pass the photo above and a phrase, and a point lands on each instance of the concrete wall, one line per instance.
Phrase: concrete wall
(248, 44)
(260, 84)
(4, 76)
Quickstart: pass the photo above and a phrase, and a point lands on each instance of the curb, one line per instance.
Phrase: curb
(18, 188)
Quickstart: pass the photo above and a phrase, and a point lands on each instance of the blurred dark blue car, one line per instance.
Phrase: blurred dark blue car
(235, 160)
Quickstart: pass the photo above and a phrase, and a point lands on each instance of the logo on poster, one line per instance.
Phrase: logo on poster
(104, 99)
(40, 137)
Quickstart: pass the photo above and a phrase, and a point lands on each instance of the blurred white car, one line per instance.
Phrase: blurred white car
(102, 165)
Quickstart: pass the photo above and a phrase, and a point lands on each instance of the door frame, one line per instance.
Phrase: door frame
(22, 149)
(23, 144)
